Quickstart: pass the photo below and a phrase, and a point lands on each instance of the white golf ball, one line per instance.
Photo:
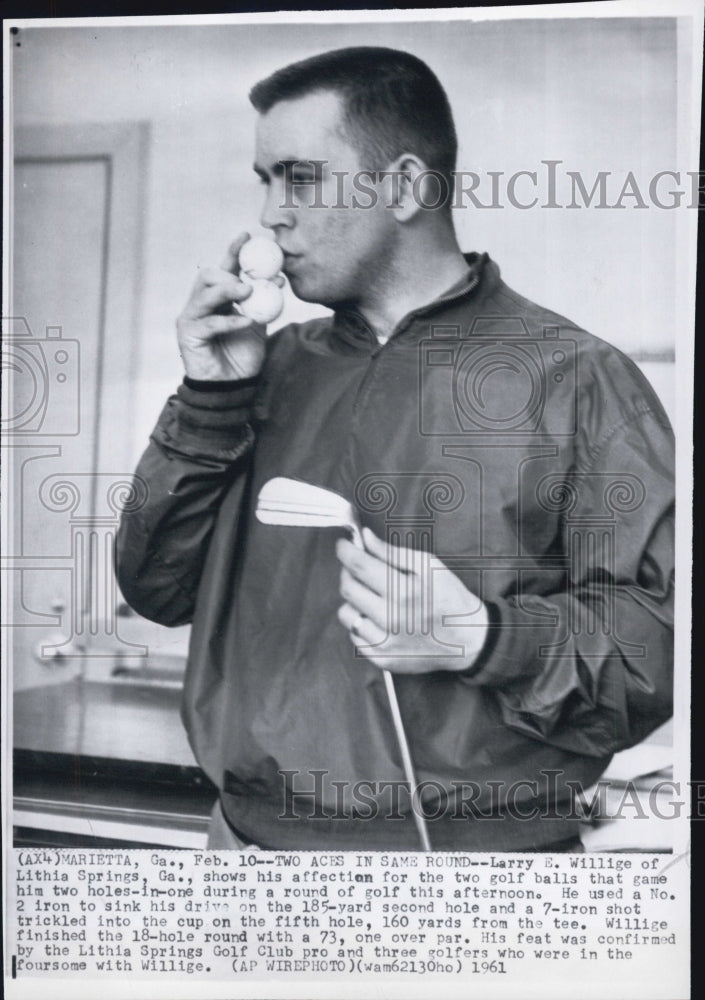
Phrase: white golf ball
(265, 303)
(260, 258)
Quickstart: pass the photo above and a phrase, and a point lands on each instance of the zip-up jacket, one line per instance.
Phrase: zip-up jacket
(533, 459)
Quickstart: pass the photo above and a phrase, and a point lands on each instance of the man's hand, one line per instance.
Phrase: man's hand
(217, 343)
(411, 603)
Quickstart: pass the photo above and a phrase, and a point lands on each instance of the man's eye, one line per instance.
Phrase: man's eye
(300, 179)
(263, 180)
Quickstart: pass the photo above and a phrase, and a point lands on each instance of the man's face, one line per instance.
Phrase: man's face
(334, 254)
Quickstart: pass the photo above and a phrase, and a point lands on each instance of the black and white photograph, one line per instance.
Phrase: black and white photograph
(346, 480)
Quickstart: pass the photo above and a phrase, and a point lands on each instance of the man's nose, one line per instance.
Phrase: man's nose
(275, 210)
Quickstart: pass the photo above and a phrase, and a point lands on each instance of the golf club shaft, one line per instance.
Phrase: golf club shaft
(407, 762)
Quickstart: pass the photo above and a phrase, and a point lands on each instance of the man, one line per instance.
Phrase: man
(513, 475)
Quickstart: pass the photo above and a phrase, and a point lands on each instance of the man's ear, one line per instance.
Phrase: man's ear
(410, 187)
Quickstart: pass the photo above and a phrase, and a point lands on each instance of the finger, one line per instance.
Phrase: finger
(363, 566)
(367, 637)
(206, 300)
(364, 600)
(348, 616)
(217, 277)
(216, 325)
(233, 292)
(279, 280)
(230, 260)
(362, 630)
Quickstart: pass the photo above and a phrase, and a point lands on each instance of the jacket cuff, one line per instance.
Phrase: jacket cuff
(503, 657)
(208, 422)
(218, 397)
(224, 385)
(489, 644)
(216, 411)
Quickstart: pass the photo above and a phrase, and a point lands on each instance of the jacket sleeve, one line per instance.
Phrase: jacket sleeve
(590, 668)
(198, 451)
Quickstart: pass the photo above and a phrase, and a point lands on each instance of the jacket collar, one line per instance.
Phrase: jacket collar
(352, 327)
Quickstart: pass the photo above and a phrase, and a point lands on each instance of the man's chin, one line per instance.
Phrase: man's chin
(308, 292)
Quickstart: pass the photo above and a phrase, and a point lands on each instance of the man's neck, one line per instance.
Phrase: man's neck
(418, 277)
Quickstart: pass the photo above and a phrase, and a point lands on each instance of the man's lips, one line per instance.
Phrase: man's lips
(290, 259)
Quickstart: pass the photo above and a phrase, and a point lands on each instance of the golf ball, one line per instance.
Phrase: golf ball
(265, 303)
(260, 258)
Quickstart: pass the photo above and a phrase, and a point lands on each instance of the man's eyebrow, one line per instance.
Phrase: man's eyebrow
(281, 166)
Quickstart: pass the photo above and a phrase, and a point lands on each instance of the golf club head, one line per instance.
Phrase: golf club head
(292, 502)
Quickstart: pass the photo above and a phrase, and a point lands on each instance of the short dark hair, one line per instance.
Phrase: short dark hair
(393, 102)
